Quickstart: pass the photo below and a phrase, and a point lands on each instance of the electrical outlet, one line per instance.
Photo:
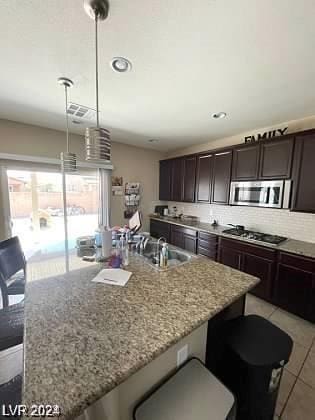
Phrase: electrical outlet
(182, 355)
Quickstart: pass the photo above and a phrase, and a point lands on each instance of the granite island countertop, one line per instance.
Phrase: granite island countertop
(82, 339)
(292, 246)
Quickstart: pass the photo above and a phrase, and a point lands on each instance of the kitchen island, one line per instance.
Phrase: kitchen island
(84, 339)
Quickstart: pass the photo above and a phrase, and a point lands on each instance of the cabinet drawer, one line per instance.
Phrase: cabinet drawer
(185, 231)
(210, 253)
(242, 246)
(207, 245)
(299, 262)
(208, 237)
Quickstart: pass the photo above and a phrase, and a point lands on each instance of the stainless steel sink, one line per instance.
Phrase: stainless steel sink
(176, 256)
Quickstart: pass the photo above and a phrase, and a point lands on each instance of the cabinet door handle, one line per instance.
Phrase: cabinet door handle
(239, 262)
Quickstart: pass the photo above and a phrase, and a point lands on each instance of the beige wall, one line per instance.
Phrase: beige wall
(136, 165)
(132, 163)
(294, 126)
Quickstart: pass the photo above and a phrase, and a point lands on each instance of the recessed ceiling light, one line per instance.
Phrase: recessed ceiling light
(153, 140)
(219, 115)
(120, 64)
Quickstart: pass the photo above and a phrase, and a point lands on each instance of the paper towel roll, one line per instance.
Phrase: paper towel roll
(106, 243)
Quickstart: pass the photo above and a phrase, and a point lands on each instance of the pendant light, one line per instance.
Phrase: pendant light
(97, 139)
(68, 159)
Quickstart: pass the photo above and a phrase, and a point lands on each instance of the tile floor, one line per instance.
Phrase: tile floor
(296, 400)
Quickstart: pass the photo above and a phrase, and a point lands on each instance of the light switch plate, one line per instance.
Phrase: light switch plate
(182, 355)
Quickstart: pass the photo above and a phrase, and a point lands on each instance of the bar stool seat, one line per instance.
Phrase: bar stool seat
(11, 392)
(12, 269)
(11, 325)
(16, 285)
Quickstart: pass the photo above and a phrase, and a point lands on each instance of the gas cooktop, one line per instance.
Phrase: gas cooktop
(257, 236)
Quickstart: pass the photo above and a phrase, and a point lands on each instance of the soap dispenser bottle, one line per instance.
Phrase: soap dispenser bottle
(164, 256)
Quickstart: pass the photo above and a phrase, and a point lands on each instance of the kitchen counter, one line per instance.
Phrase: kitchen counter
(83, 339)
(305, 249)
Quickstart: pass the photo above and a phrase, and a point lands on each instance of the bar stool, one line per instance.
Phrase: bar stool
(11, 325)
(12, 269)
(192, 393)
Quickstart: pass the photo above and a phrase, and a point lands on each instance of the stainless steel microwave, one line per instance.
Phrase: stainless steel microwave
(274, 194)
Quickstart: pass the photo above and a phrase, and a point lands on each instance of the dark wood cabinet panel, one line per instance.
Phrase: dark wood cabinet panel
(229, 254)
(304, 174)
(184, 238)
(177, 238)
(189, 179)
(159, 229)
(165, 180)
(208, 245)
(245, 163)
(276, 159)
(177, 180)
(295, 286)
(190, 244)
(262, 268)
(204, 177)
(221, 178)
(251, 259)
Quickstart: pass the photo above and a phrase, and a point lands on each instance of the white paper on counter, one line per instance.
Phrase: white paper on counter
(113, 276)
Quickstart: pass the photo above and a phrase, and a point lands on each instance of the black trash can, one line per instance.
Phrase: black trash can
(256, 353)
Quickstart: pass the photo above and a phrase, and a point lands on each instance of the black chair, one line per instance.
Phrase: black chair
(11, 325)
(12, 269)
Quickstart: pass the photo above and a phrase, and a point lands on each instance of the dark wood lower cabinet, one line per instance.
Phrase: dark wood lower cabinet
(184, 238)
(159, 229)
(208, 245)
(230, 256)
(295, 285)
(251, 259)
(263, 268)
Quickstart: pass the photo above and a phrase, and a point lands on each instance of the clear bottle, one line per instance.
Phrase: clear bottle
(124, 251)
(164, 256)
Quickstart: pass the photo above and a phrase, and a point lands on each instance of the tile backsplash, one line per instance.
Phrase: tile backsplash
(294, 225)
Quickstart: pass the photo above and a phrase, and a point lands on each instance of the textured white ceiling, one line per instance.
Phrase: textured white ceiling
(253, 59)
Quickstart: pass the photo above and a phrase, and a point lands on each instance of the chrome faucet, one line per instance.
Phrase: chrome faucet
(141, 245)
(158, 244)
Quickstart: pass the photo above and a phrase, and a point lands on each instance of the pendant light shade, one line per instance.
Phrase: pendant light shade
(97, 139)
(97, 143)
(68, 159)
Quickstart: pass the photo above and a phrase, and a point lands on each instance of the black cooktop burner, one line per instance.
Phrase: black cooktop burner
(257, 236)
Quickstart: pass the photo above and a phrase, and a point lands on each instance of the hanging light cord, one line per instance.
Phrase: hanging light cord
(96, 68)
(67, 117)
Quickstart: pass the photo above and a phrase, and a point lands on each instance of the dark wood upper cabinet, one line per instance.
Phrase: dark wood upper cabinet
(245, 163)
(204, 178)
(221, 177)
(276, 159)
(304, 174)
(189, 178)
(295, 285)
(177, 180)
(165, 180)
